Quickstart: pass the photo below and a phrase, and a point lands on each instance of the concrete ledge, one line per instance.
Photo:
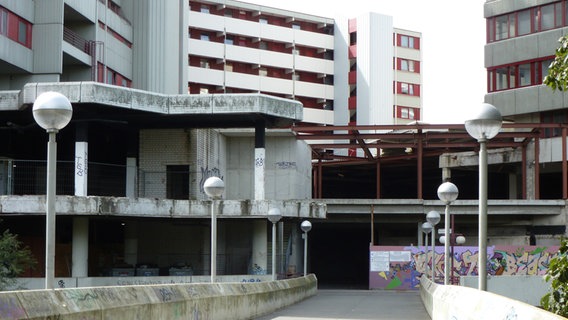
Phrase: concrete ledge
(455, 302)
(176, 301)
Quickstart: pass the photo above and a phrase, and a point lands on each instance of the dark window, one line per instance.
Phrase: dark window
(177, 182)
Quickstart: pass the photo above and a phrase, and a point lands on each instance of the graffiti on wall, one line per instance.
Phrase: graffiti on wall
(207, 173)
(501, 260)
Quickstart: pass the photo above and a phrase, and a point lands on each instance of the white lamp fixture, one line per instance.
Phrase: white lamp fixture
(214, 188)
(306, 226)
(52, 111)
(433, 217)
(274, 216)
(448, 193)
(482, 126)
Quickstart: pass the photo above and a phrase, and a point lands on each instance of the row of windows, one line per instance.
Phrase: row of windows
(239, 13)
(262, 71)
(521, 74)
(15, 27)
(230, 39)
(531, 20)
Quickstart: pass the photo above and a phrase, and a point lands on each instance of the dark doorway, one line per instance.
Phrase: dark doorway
(339, 254)
(177, 178)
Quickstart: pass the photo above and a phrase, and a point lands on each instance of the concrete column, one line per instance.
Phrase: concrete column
(80, 247)
(513, 186)
(81, 160)
(259, 160)
(259, 246)
(131, 242)
(131, 177)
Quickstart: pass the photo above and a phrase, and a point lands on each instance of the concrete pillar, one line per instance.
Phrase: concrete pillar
(131, 242)
(80, 247)
(131, 177)
(81, 160)
(259, 246)
(513, 186)
(259, 161)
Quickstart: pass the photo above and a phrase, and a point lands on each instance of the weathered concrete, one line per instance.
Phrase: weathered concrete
(283, 111)
(176, 301)
(455, 302)
(528, 289)
(166, 208)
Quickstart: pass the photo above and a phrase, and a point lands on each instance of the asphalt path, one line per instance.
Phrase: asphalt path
(355, 304)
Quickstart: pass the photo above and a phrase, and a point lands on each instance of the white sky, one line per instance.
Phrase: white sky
(453, 36)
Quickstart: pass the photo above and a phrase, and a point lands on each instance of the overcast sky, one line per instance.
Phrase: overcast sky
(453, 36)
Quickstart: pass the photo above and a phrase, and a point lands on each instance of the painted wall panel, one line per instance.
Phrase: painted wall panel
(308, 89)
(207, 76)
(16, 54)
(315, 65)
(206, 48)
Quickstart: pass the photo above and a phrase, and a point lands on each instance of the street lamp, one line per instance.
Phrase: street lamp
(52, 111)
(426, 228)
(433, 217)
(483, 126)
(455, 240)
(306, 226)
(274, 216)
(214, 188)
(448, 193)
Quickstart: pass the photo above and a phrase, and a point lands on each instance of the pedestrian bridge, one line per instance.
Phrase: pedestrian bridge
(262, 300)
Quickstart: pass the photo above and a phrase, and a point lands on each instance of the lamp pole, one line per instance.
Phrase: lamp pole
(433, 217)
(306, 226)
(448, 193)
(214, 188)
(427, 228)
(483, 126)
(274, 216)
(52, 111)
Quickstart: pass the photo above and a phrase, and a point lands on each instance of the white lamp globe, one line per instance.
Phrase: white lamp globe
(52, 111)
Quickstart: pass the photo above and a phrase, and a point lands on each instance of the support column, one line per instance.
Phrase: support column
(81, 160)
(259, 160)
(131, 177)
(259, 246)
(80, 248)
(131, 243)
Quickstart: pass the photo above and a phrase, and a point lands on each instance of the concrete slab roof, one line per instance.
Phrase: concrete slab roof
(154, 109)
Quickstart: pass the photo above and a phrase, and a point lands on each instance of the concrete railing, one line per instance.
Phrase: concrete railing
(175, 301)
(455, 302)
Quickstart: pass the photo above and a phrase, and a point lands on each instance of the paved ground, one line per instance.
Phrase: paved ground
(355, 304)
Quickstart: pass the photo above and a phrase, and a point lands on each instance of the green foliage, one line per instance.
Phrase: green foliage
(556, 300)
(14, 259)
(557, 77)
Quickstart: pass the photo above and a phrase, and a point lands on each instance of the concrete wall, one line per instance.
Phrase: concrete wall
(185, 301)
(514, 287)
(461, 303)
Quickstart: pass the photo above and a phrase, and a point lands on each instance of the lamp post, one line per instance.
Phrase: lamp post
(448, 193)
(214, 188)
(306, 226)
(52, 111)
(485, 125)
(426, 228)
(274, 216)
(433, 217)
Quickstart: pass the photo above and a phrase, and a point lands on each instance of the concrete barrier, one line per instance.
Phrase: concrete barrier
(237, 300)
(462, 303)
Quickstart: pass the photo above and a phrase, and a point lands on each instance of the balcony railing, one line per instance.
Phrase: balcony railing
(28, 177)
(76, 40)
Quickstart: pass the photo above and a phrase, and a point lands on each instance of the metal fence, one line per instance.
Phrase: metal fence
(28, 177)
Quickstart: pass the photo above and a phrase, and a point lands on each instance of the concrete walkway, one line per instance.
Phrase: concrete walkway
(356, 304)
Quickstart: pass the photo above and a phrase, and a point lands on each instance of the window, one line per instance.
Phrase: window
(407, 65)
(408, 113)
(229, 40)
(228, 13)
(406, 88)
(296, 26)
(204, 63)
(263, 45)
(524, 22)
(408, 41)
(518, 75)
(203, 91)
(501, 29)
(525, 75)
(204, 37)
(228, 66)
(262, 20)
(204, 9)
(296, 51)
(295, 76)
(547, 17)
(262, 72)
(177, 182)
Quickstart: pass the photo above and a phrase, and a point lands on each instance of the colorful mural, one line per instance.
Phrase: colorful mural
(400, 268)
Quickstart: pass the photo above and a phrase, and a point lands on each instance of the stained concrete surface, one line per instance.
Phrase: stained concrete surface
(355, 304)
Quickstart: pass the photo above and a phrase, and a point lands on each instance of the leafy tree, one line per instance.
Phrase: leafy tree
(557, 77)
(556, 300)
(15, 258)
